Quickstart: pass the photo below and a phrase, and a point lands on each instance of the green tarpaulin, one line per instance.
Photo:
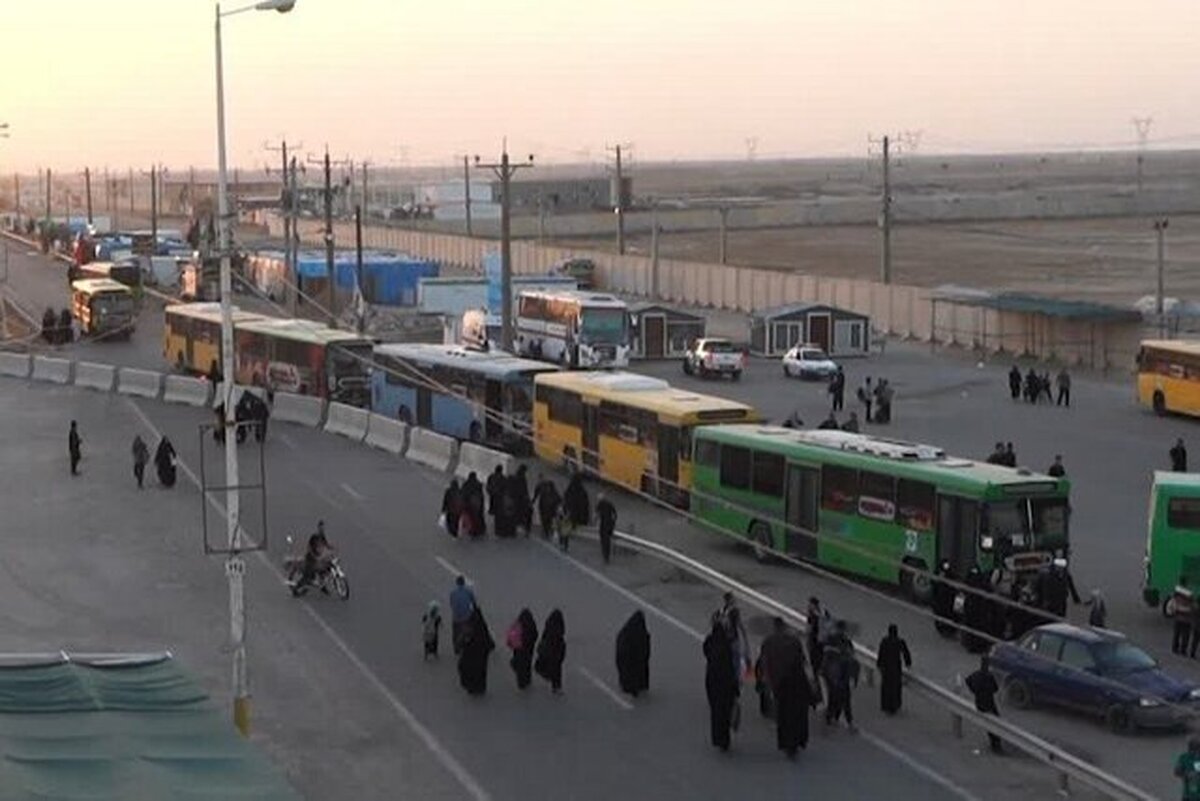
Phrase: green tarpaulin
(114, 729)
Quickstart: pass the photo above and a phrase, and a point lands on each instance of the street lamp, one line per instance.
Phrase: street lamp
(234, 567)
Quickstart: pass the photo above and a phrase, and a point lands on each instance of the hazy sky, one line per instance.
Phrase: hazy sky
(132, 81)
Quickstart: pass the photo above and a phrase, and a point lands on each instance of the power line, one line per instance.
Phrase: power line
(505, 170)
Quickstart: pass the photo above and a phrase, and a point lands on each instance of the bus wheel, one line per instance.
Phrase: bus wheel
(475, 432)
(1160, 404)
(916, 587)
(760, 541)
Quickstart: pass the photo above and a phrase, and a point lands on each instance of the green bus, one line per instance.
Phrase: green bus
(1173, 537)
(866, 505)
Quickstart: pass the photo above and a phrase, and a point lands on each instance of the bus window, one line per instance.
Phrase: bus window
(1008, 519)
(517, 398)
(708, 453)
(839, 488)
(606, 326)
(735, 467)
(1050, 517)
(1183, 513)
(767, 478)
(915, 504)
(563, 407)
(877, 496)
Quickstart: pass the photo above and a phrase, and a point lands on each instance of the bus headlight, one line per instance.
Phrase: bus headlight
(986, 543)
(1149, 702)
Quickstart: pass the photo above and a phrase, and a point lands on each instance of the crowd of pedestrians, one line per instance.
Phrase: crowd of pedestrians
(1035, 387)
(165, 458)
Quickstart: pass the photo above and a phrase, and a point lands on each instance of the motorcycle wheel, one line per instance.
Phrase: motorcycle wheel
(341, 586)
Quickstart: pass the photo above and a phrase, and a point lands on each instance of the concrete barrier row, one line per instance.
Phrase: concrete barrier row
(95, 376)
(432, 450)
(187, 390)
(16, 365)
(387, 434)
(302, 410)
(347, 421)
(48, 368)
(142, 383)
(482, 461)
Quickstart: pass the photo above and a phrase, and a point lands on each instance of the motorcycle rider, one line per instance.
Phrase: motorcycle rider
(316, 557)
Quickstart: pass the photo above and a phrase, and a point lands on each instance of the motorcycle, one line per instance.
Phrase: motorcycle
(332, 578)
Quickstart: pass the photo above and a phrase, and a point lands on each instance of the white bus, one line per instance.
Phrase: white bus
(573, 328)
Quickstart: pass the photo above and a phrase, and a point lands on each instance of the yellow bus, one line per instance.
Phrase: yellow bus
(626, 428)
(1168, 376)
(192, 336)
(102, 306)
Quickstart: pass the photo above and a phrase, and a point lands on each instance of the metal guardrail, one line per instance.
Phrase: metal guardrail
(1066, 765)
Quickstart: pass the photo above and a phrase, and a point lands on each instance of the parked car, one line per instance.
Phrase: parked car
(1095, 671)
(808, 361)
(714, 356)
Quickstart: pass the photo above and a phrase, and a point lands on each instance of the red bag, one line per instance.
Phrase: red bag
(515, 636)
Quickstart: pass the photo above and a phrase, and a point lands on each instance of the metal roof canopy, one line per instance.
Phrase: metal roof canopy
(1022, 302)
(789, 309)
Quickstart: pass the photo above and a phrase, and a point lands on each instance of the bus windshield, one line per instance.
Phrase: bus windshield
(603, 326)
(112, 303)
(1043, 518)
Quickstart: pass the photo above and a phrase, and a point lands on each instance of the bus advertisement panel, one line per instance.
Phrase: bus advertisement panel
(477, 396)
(192, 336)
(626, 428)
(572, 328)
(305, 358)
(867, 505)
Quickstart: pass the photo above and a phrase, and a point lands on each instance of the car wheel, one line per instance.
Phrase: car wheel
(687, 367)
(737, 375)
(1017, 694)
(1119, 719)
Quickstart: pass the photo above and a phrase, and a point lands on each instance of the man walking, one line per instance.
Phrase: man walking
(141, 455)
(1187, 768)
(1014, 382)
(606, 513)
(74, 448)
(984, 687)
(1183, 601)
(1179, 457)
(837, 389)
(1010, 455)
(462, 607)
(1064, 388)
(866, 396)
(1057, 470)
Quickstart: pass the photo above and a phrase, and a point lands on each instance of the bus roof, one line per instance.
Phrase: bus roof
(1188, 346)
(581, 296)
(904, 459)
(652, 394)
(94, 285)
(300, 330)
(1169, 479)
(488, 363)
(211, 311)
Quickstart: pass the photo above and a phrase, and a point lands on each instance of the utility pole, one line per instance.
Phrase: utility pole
(154, 207)
(724, 247)
(1160, 230)
(654, 232)
(1142, 126)
(131, 191)
(505, 170)
(329, 265)
(191, 191)
(467, 195)
(366, 200)
(17, 191)
(360, 299)
(292, 245)
(49, 182)
(87, 184)
(619, 200)
(885, 217)
(284, 203)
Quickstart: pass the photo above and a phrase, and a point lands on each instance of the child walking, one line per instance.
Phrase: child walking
(432, 624)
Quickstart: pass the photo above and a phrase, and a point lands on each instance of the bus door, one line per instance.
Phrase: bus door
(668, 457)
(957, 532)
(424, 407)
(493, 400)
(803, 500)
(591, 437)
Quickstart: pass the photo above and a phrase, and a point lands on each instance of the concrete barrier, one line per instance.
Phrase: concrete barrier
(143, 383)
(483, 461)
(184, 389)
(347, 421)
(56, 371)
(95, 376)
(15, 364)
(304, 410)
(387, 434)
(432, 450)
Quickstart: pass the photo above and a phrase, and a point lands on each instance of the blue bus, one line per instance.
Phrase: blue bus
(428, 385)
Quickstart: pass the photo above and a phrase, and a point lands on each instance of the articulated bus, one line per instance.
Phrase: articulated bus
(629, 429)
(487, 397)
(572, 328)
(1168, 376)
(866, 505)
(279, 354)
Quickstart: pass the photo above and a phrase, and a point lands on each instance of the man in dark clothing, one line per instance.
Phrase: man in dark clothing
(1184, 603)
(1032, 386)
(633, 655)
(518, 490)
(141, 455)
(50, 326)
(720, 685)
(64, 325)
(984, 687)
(866, 396)
(819, 624)
(473, 506)
(1064, 388)
(74, 448)
(495, 497)
(830, 423)
(782, 659)
(837, 390)
(839, 668)
(892, 659)
(943, 598)
(1057, 584)
(575, 501)
(1179, 457)
(1010, 456)
(1014, 382)
(546, 496)
(1057, 470)
(606, 514)
(851, 425)
(997, 455)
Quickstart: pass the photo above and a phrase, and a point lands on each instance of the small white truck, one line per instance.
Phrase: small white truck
(713, 356)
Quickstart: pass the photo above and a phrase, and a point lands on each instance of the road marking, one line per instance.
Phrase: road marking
(448, 567)
(918, 767)
(604, 688)
(351, 492)
(427, 737)
(286, 440)
(617, 588)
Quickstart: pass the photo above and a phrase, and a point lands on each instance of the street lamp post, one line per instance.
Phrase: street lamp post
(234, 566)
(1160, 231)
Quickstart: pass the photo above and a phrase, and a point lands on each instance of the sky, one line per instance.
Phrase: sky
(124, 82)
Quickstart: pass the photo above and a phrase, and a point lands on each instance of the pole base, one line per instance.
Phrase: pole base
(241, 715)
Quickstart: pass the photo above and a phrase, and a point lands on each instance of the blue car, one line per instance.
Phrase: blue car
(1094, 671)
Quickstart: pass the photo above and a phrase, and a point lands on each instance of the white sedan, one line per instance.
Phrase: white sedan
(806, 361)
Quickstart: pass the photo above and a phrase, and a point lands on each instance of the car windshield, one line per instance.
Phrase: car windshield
(719, 347)
(605, 326)
(813, 355)
(1122, 656)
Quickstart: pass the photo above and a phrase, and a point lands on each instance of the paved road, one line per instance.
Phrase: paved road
(948, 401)
(91, 562)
